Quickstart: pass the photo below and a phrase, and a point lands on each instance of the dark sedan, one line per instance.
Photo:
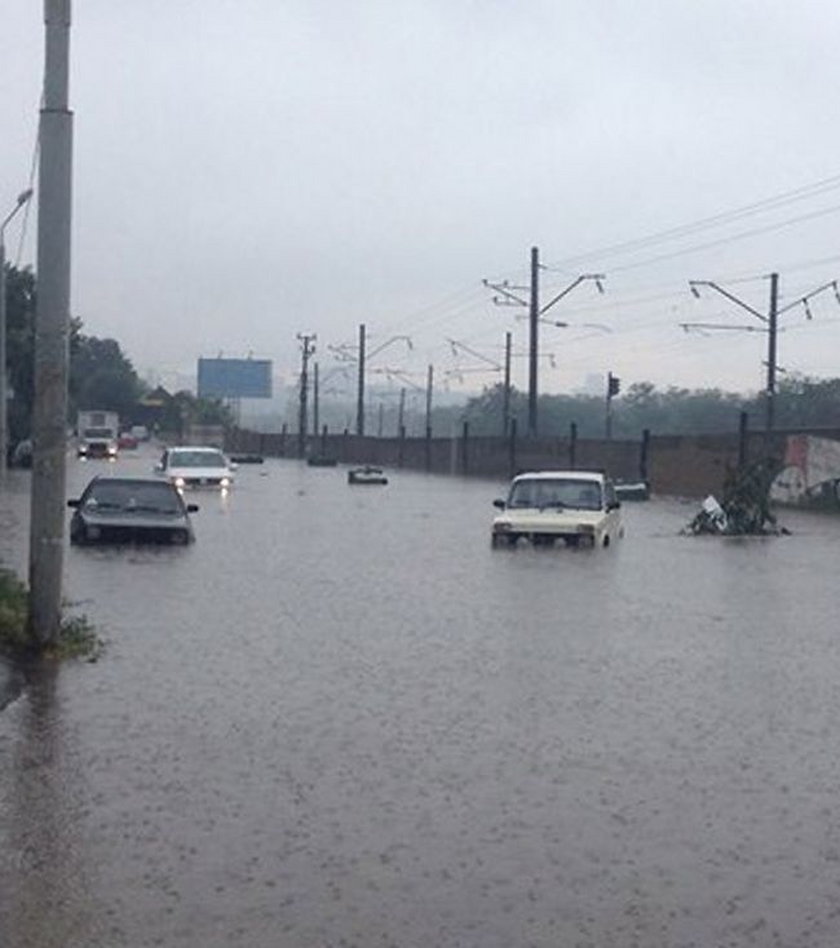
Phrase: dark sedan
(125, 510)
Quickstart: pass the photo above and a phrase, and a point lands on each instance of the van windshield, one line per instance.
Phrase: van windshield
(562, 492)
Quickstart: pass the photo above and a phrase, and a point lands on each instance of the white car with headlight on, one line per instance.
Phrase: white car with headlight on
(578, 507)
(187, 466)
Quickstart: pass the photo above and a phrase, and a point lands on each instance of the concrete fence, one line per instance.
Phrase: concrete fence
(682, 465)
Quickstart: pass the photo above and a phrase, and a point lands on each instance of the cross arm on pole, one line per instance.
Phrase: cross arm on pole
(508, 297)
(388, 342)
(694, 284)
(461, 345)
(722, 326)
(803, 300)
(597, 277)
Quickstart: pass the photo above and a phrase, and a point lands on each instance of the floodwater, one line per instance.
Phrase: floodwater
(341, 719)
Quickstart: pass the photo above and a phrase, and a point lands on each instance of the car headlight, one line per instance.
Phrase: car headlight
(225, 482)
(179, 482)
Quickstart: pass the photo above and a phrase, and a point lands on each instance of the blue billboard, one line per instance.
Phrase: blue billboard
(234, 378)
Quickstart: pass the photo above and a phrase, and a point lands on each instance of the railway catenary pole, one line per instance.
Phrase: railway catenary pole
(429, 382)
(509, 295)
(360, 396)
(307, 350)
(772, 331)
(506, 391)
(770, 321)
(533, 340)
(315, 406)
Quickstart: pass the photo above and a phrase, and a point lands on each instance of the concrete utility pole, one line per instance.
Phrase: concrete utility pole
(429, 380)
(533, 343)
(772, 332)
(770, 322)
(363, 360)
(307, 350)
(506, 393)
(613, 388)
(360, 396)
(401, 413)
(509, 297)
(315, 406)
(52, 331)
(22, 199)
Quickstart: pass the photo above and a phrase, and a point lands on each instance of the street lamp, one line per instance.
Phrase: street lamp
(22, 199)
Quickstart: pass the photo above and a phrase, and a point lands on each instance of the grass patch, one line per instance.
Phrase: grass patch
(77, 637)
(14, 603)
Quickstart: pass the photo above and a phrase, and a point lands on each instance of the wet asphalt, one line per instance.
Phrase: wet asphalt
(340, 719)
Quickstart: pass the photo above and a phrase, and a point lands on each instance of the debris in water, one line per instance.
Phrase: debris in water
(745, 509)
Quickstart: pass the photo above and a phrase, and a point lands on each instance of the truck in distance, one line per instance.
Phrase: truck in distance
(97, 433)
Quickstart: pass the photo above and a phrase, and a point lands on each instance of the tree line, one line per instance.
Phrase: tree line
(800, 402)
(100, 374)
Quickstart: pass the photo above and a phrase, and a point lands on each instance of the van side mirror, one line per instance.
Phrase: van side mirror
(192, 508)
(73, 503)
(498, 502)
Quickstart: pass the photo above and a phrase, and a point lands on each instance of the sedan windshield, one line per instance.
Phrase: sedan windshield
(130, 497)
(196, 459)
(584, 495)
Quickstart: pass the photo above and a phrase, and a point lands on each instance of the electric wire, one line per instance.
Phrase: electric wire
(797, 194)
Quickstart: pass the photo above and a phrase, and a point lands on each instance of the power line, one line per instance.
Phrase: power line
(716, 220)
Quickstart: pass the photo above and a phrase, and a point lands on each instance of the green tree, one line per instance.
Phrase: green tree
(20, 347)
(101, 376)
(805, 402)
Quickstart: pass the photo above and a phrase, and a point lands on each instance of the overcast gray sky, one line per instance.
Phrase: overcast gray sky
(246, 170)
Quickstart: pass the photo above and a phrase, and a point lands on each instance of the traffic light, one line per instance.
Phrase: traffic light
(613, 385)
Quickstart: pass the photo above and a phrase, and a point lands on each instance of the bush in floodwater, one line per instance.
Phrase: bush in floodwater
(76, 638)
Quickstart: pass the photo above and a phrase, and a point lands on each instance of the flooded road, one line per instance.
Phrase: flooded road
(341, 719)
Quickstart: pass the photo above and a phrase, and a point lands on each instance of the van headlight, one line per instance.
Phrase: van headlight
(225, 483)
(179, 482)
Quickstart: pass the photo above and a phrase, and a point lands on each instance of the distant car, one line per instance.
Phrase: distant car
(137, 509)
(186, 466)
(578, 507)
(126, 441)
(140, 432)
